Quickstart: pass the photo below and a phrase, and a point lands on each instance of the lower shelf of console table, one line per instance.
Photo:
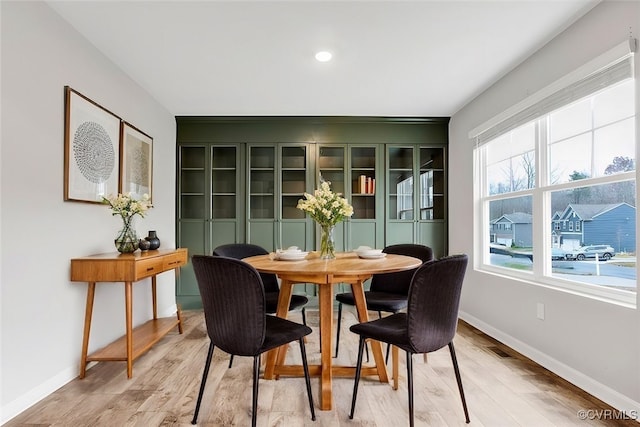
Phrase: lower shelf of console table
(144, 337)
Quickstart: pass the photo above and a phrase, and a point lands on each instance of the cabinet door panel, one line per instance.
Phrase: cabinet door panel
(363, 234)
(295, 234)
(223, 232)
(399, 232)
(193, 236)
(432, 234)
(262, 234)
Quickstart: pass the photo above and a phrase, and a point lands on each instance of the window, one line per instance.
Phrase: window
(567, 157)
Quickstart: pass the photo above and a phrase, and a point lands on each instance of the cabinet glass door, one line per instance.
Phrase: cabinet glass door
(223, 182)
(293, 227)
(363, 181)
(192, 182)
(262, 182)
(331, 166)
(226, 216)
(400, 183)
(431, 183)
(294, 180)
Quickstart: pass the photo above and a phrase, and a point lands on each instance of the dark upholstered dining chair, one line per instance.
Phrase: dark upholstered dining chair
(428, 325)
(270, 281)
(233, 298)
(388, 292)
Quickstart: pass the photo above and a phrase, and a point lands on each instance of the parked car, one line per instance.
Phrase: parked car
(558, 254)
(604, 252)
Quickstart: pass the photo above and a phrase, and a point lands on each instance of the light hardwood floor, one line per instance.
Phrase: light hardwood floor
(502, 387)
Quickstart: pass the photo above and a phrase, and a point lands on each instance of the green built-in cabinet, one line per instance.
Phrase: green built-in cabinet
(278, 176)
(240, 179)
(415, 191)
(346, 166)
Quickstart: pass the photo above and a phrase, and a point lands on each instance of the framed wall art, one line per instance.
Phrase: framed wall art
(91, 149)
(136, 164)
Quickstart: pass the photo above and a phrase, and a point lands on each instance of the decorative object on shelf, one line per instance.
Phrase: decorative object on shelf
(127, 208)
(144, 244)
(153, 239)
(327, 209)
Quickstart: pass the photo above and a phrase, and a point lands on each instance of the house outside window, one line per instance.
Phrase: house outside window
(575, 163)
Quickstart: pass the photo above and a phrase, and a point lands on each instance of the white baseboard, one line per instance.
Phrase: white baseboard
(33, 396)
(579, 379)
(36, 394)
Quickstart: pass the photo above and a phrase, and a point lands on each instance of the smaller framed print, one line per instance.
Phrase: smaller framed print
(136, 166)
(91, 149)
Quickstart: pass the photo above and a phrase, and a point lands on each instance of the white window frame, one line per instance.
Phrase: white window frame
(512, 119)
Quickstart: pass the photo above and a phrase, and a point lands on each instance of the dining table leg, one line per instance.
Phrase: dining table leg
(325, 303)
(357, 288)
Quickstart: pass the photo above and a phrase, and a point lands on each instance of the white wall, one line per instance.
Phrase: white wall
(42, 312)
(592, 343)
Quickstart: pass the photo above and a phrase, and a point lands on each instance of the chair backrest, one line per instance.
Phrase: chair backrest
(398, 283)
(434, 299)
(234, 303)
(245, 250)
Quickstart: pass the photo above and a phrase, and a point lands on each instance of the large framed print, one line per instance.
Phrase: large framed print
(91, 149)
(136, 165)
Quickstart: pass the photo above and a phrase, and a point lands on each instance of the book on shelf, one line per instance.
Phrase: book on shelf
(365, 185)
(362, 184)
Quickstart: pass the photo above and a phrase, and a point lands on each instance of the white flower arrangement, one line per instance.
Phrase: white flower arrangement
(126, 206)
(324, 206)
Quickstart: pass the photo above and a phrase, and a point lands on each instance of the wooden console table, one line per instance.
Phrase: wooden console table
(127, 268)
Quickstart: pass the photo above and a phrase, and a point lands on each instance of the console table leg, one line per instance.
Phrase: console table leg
(179, 314)
(91, 291)
(154, 297)
(128, 296)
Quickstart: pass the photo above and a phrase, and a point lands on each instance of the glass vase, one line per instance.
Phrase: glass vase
(327, 243)
(127, 240)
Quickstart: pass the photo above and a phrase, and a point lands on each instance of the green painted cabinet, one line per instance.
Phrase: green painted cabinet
(278, 176)
(355, 170)
(416, 196)
(209, 206)
(239, 179)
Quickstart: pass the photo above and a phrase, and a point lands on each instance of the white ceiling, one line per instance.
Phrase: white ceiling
(391, 58)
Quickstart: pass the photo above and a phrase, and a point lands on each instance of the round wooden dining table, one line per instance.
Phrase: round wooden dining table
(347, 268)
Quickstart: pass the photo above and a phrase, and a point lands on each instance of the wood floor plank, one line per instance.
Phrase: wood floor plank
(503, 388)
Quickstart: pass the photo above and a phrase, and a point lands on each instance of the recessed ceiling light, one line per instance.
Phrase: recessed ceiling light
(323, 56)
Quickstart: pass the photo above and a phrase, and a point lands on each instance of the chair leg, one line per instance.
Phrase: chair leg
(307, 378)
(410, 386)
(459, 380)
(338, 328)
(254, 411)
(357, 380)
(231, 361)
(207, 365)
(304, 317)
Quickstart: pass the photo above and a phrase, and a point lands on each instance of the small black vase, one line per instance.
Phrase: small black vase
(152, 238)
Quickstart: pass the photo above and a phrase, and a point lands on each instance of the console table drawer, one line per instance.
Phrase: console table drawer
(175, 260)
(149, 267)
